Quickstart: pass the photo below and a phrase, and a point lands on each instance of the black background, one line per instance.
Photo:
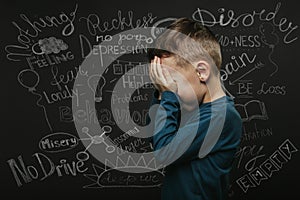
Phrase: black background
(23, 124)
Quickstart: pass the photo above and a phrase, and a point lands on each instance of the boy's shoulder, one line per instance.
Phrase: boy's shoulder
(222, 110)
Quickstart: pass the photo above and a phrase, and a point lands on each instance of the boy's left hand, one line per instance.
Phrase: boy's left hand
(161, 77)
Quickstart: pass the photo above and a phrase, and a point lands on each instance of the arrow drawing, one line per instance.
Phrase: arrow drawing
(259, 65)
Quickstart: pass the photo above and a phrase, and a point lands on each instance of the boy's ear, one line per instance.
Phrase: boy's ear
(203, 70)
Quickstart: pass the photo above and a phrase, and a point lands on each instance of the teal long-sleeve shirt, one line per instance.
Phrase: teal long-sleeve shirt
(197, 148)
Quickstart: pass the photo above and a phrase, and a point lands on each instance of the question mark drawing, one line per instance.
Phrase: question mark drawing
(96, 86)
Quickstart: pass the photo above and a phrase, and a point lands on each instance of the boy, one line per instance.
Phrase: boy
(196, 127)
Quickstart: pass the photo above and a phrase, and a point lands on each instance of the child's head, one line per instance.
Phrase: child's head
(188, 41)
(192, 50)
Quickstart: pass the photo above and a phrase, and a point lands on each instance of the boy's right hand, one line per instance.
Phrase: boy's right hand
(161, 77)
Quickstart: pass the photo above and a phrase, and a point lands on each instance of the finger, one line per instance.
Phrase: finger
(154, 67)
(150, 71)
(168, 76)
(159, 71)
(152, 75)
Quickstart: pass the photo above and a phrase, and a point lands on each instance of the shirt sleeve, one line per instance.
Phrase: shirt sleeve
(182, 137)
(173, 142)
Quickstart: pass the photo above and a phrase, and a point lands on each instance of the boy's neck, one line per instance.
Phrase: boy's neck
(213, 94)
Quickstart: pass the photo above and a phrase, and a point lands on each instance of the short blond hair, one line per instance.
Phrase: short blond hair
(201, 41)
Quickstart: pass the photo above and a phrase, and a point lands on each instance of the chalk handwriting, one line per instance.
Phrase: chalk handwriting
(230, 18)
(265, 170)
(61, 95)
(236, 64)
(68, 77)
(265, 89)
(123, 137)
(244, 89)
(43, 167)
(245, 41)
(122, 115)
(44, 60)
(27, 36)
(256, 133)
(95, 25)
(126, 98)
(57, 142)
(253, 152)
(86, 115)
(112, 177)
(138, 38)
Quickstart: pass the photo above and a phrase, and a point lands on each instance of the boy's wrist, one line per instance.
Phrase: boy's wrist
(169, 96)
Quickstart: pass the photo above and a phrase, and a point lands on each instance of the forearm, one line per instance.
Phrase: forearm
(173, 140)
(166, 119)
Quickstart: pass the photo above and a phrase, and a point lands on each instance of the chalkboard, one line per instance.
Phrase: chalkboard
(64, 116)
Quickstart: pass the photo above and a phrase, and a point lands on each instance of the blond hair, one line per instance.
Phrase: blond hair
(188, 41)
